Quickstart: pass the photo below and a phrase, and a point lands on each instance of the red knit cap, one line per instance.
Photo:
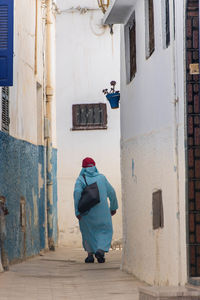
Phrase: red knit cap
(88, 162)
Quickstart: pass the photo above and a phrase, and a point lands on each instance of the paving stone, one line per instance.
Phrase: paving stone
(63, 275)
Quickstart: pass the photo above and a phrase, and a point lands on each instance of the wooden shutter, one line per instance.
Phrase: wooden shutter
(90, 114)
(132, 39)
(83, 115)
(6, 42)
(5, 110)
(151, 28)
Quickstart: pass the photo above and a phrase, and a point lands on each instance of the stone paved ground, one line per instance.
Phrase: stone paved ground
(63, 275)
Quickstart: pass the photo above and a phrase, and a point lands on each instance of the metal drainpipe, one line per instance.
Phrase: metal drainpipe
(49, 99)
(176, 145)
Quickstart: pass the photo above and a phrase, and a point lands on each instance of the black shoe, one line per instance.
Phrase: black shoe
(100, 256)
(89, 259)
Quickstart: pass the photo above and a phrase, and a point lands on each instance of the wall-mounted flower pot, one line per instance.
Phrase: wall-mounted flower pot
(113, 98)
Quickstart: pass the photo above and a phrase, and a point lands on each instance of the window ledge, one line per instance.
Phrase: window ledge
(89, 128)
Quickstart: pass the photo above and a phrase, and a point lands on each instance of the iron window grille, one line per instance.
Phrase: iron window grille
(5, 120)
(89, 116)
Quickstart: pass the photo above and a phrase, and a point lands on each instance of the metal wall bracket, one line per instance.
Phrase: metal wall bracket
(194, 69)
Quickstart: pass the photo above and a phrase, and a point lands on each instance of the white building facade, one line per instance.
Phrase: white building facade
(159, 138)
(28, 160)
(87, 59)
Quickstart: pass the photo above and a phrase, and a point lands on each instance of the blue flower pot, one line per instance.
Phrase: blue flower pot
(113, 98)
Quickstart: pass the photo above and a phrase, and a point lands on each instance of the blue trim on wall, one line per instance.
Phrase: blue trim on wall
(55, 220)
(22, 174)
(42, 196)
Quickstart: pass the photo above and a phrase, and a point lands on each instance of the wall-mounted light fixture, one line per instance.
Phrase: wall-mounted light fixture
(103, 4)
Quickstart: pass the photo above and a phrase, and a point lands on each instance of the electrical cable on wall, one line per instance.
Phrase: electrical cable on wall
(100, 26)
(84, 10)
(79, 9)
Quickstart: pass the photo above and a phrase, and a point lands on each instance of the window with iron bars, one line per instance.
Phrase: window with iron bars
(167, 23)
(89, 116)
(150, 35)
(132, 38)
(5, 119)
(130, 48)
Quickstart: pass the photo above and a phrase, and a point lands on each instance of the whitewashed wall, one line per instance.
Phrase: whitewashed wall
(87, 60)
(149, 160)
(27, 107)
(24, 106)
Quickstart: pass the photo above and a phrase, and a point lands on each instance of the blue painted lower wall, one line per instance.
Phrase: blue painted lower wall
(22, 175)
(54, 176)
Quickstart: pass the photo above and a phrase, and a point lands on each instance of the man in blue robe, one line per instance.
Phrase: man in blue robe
(95, 224)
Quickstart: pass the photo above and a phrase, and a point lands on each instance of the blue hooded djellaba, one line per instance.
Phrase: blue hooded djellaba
(96, 224)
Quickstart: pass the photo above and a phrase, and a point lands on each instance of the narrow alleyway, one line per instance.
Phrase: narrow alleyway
(63, 275)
